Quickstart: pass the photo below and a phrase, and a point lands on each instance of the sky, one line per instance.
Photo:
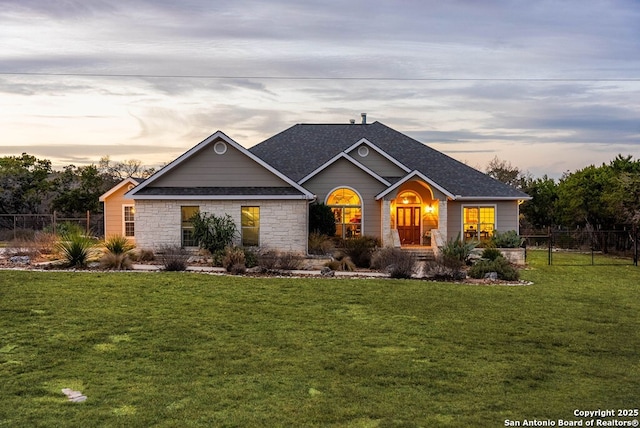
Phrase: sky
(548, 86)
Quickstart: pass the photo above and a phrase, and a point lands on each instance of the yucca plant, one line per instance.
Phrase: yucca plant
(118, 253)
(76, 248)
(118, 244)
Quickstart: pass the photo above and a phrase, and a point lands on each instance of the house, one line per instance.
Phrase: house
(119, 212)
(378, 182)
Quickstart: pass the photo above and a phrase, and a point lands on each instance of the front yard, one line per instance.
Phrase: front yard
(187, 349)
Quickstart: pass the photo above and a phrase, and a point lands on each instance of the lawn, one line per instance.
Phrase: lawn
(190, 350)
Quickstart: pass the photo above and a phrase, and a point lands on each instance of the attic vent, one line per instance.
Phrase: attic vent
(352, 121)
(220, 148)
(363, 151)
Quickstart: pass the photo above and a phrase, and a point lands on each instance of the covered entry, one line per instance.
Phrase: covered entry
(408, 215)
(413, 214)
(409, 225)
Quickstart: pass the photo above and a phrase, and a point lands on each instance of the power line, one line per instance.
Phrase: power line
(360, 78)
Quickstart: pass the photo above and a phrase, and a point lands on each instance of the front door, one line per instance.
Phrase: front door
(409, 225)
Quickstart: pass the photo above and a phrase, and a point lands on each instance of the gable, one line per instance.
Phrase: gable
(367, 156)
(344, 173)
(219, 168)
(211, 168)
(120, 189)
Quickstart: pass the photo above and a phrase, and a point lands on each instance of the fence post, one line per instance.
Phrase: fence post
(55, 222)
(550, 245)
(88, 222)
(635, 245)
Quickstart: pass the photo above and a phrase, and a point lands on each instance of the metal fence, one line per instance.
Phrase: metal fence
(16, 226)
(621, 245)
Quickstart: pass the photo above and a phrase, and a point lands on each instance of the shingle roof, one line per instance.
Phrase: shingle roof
(301, 149)
(218, 191)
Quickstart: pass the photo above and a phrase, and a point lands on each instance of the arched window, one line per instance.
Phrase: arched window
(409, 198)
(347, 211)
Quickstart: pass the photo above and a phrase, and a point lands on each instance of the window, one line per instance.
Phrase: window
(409, 198)
(220, 148)
(479, 222)
(250, 226)
(186, 226)
(128, 220)
(347, 210)
(363, 151)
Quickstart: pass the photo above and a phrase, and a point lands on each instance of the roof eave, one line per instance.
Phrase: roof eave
(223, 197)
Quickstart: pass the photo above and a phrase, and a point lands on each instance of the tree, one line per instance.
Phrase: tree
(24, 184)
(213, 233)
(540, 210)
(604, 197)
(118, 171)
(625, 197)
(503, 171)
(78, 190)
(321, 219)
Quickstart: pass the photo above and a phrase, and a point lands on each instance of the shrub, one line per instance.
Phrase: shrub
(456, 249)
(66, 228)
(342, 264)
(174, 258)
(121, 261)
(491, 253)
(268, 259)
(321, 220)
(250, 256)
(118, 244)
(76, 248)
(440, 272)
(119, 253)
(360, 249)
(213, 233)
(320, 244)
(398, 263)
(46, 242)
(289, 261)
(143, 255)
(509, 239)
(500, 265)
(237, 269)
(22, 247)
(233, 259)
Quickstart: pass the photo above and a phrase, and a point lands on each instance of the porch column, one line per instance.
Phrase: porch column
(442, 218)
(387, 239)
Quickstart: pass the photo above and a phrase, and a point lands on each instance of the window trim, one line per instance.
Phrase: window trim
(479, 206)
(124, 220)
(243, 228)
(361, 206)
(182, 227)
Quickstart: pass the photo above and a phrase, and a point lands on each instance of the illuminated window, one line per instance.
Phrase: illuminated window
(347, 211)
(186, 226)
(250, 226)
(479, 222)
(129, 220)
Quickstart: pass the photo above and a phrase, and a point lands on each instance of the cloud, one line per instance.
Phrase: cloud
(245, 39)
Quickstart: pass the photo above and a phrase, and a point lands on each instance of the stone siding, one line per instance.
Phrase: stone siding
(283, 224)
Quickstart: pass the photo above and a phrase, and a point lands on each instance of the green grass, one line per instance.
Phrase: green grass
(187, 350)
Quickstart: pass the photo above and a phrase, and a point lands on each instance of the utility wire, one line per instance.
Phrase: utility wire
(370, 78)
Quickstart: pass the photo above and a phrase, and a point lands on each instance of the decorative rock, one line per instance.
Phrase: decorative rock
(74, 396)
(255, 269)
(326, 271)
(493, 276)
(22, 260)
